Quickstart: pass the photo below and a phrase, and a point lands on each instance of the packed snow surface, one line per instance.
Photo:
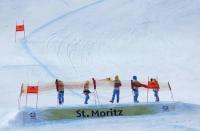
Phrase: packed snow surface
(75, 40)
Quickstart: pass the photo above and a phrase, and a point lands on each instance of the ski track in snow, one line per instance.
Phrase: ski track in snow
(63, 16)
(45, 67)
(24, 42)
(28, 50)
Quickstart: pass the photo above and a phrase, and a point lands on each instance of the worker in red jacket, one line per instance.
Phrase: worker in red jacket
(60, 89)
(153, 84)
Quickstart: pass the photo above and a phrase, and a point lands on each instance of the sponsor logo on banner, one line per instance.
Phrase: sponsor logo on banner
(98, 113)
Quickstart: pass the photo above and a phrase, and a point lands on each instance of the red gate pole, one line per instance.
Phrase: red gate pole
(147, 95)
(97, 97)
(95, 92)
(94, 85)
(148, 92)
(24, 29)
(26, 98)
(37, 101)
(37, 96)
(20, 95)
(170, 89)
(15, 31)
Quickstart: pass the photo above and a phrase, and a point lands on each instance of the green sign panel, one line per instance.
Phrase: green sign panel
(59, 114)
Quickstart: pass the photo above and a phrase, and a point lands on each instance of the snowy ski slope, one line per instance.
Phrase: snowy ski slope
(75, 40)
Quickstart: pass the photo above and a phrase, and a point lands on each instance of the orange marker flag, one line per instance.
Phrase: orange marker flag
(19, 27)
(32, 89)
